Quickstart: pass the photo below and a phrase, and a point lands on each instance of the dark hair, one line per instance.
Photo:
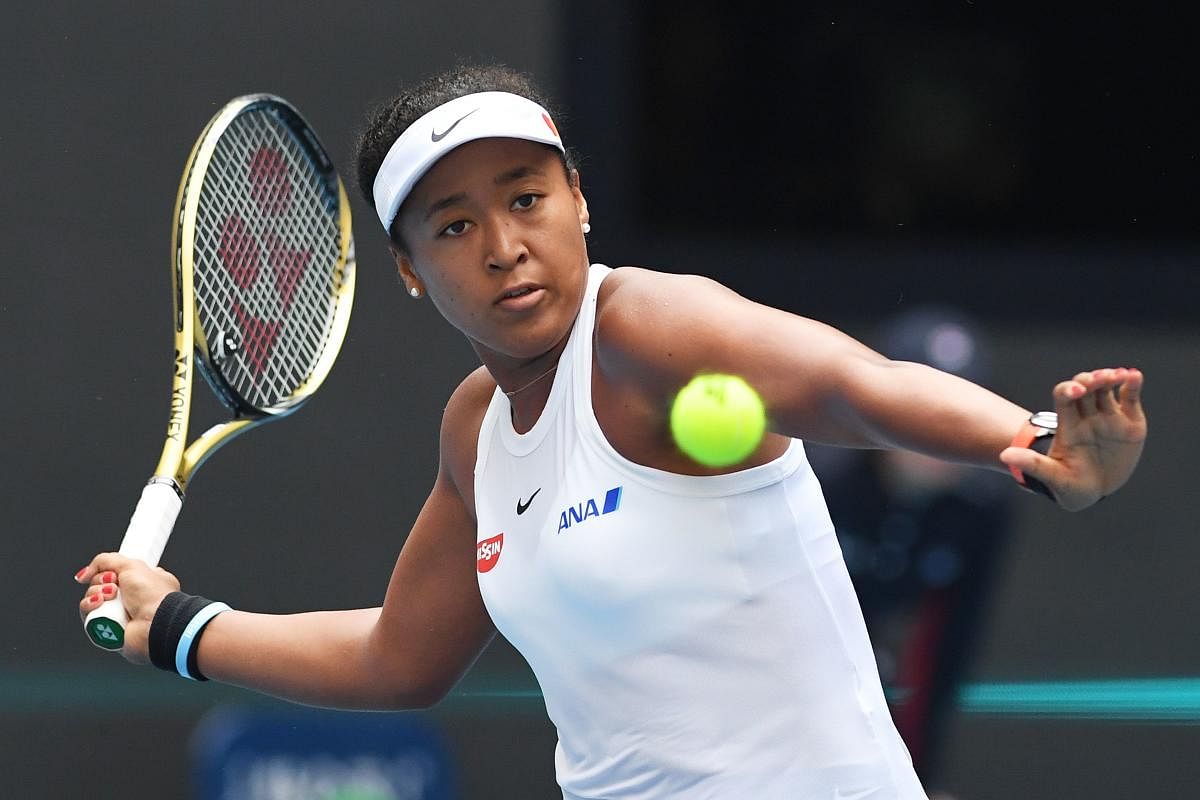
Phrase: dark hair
(386, 122)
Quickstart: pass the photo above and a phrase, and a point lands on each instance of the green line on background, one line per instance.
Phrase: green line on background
(1158, 700)
(1144, 700)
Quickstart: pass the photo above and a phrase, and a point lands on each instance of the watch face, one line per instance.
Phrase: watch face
(1045, 419)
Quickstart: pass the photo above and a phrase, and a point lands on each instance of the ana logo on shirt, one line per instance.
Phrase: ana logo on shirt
(487, 553)
(581, 512)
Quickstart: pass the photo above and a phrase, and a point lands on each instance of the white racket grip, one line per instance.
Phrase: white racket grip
(145, 538)
(151, 523)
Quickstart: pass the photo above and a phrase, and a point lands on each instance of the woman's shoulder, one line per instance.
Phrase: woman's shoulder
(630, 294)
(637, 280)
(646, 319)
(462, 419)
(468, 403)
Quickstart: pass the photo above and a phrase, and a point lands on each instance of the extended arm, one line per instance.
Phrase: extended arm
(409, 653)
(818, 384)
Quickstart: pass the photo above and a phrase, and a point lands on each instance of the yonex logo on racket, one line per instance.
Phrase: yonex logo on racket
(179, 395)
(255, 236)
(487, 553)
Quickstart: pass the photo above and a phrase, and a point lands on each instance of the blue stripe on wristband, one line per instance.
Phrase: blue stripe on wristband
(197, 623)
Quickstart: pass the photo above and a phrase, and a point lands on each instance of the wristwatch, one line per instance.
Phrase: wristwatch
(1036, 434)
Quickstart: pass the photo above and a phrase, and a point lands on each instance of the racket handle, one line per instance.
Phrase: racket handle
(147, 534)
(105, 625)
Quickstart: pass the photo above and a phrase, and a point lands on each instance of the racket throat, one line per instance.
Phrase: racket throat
(167, 481)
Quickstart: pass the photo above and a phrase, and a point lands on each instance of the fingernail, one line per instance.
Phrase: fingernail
(108, 577)
(79, 575)
(109, 590)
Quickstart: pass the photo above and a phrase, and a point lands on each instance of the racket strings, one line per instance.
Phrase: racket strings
(267, 259)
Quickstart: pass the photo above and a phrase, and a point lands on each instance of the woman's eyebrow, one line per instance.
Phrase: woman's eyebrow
(516, 174)
(445, 202)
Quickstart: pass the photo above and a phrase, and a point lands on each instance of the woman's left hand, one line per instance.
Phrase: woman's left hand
(1101, 430)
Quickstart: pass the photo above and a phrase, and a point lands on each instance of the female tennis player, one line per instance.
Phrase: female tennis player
(693, 630)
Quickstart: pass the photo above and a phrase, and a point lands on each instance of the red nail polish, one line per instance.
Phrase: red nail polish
(108, 577)
(79, 575)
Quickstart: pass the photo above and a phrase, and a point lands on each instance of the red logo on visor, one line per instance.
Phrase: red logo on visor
(487, 553)
(550, 125)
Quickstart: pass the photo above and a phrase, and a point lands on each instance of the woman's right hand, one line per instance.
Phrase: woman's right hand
(142, 588)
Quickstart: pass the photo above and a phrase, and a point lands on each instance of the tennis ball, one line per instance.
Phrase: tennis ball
(718, 420)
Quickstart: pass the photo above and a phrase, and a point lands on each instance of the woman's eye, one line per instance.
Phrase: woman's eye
(456, 228)
(525, 202)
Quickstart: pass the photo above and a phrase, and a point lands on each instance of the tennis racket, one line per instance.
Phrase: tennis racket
(262, 264)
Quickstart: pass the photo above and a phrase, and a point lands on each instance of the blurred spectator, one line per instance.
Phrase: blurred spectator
(921, 539)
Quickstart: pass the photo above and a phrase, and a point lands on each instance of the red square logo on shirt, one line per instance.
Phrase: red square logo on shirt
(487, 553)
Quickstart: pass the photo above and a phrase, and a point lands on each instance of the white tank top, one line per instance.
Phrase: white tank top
(694, 637)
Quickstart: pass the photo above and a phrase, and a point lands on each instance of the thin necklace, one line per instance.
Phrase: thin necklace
(532, 382)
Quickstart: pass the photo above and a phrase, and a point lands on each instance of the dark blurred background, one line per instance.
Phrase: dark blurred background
(1034, 168)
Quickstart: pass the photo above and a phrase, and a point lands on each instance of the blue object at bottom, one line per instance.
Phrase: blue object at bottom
(319, 755)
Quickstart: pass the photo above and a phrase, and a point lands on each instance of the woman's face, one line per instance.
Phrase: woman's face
(493, 236)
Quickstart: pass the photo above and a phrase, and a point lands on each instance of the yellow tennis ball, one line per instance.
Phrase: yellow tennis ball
(718, 420)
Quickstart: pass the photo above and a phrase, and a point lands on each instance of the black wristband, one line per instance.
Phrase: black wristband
(170, 621)
(1037, 434)
(1040, 445)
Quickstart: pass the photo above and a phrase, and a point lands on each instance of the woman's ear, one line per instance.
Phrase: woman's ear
(580, 200)
(412, 283)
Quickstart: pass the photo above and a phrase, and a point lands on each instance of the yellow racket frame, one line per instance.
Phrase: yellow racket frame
(155, 514)
(178, 463)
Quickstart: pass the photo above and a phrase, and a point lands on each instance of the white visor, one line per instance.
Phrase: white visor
(474, 116)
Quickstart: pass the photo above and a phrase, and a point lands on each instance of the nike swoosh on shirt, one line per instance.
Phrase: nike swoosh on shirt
(522, 507)
(437, 137)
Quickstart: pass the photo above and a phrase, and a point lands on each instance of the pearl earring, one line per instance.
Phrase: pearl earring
(415, 292)
(587, 227)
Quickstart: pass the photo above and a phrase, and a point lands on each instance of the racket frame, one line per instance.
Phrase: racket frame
(162, 498)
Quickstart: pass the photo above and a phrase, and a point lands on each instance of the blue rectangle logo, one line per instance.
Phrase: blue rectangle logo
(612, 500)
